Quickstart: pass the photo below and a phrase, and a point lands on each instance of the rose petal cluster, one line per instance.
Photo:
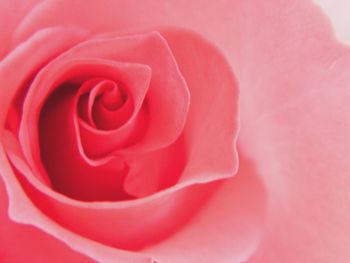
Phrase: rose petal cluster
(286, 201)
(115, 127)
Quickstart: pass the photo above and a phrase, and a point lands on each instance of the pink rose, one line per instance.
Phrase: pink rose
(119, 122)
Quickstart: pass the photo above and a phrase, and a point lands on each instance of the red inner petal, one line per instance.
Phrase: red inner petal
(112, 108)
(69, 172)
(140, 124)
(103, 104)
(113, 96)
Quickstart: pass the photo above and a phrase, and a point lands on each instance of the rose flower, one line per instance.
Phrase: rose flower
(172, 131)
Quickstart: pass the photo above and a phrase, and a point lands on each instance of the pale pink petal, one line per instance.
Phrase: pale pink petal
(295, 90)
(211, 129)
(208, 142)
(11, 14)
(227, 229)
(306, 144)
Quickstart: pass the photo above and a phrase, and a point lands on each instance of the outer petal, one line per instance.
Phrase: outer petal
(21, 243)
(22, 210)
(11, 13)
(228, 228)
(11, 84)
(306, 142)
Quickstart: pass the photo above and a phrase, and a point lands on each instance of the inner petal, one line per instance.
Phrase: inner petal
(163, 111)
(108, 129)
(110, 105)
(103, 104)
(62, 140)
(113, 97)
(69, 171)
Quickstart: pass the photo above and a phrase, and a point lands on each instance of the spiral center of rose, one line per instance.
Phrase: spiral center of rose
(110, 116)
(112, 96)
(105, 105)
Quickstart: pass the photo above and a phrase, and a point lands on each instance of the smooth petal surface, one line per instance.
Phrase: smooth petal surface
(210, 141)
(27, 242)
(227, 229)
(11, 14)
(311, 197)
